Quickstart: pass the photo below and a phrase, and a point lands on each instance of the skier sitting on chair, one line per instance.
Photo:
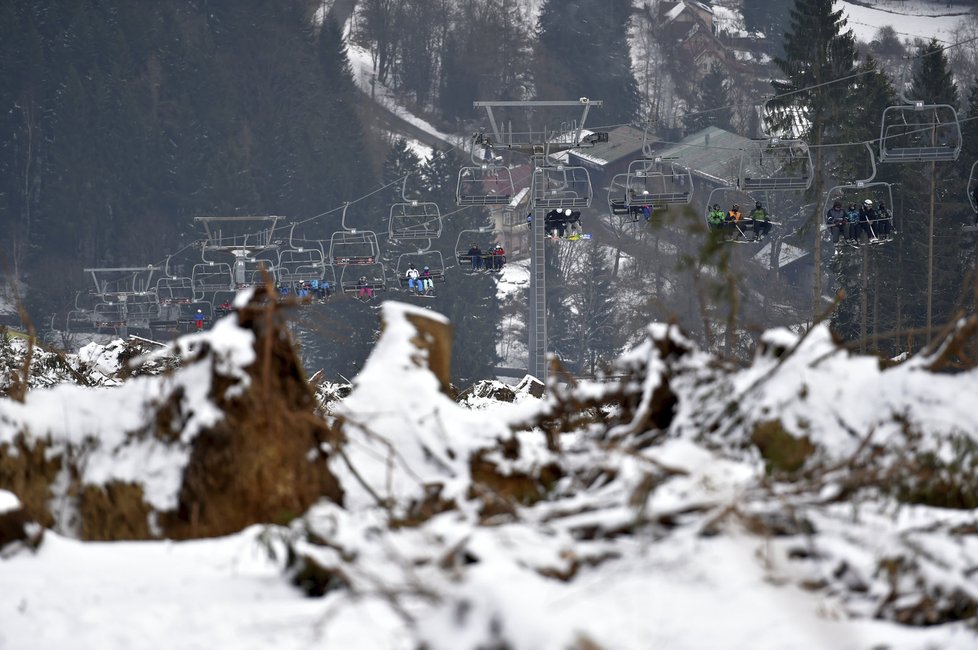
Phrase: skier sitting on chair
(413, 278)
(885, 221)
(852, 224)
(427, 284)
(760, 221)
(868, 218)
(732, 221)
(835, 219)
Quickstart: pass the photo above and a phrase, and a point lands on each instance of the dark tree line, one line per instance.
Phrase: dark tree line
(122, 122)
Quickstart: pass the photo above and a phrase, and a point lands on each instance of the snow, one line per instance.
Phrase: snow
(911, 18)
(8, 502)
(104, 422)
(363, 75)
(657, 553)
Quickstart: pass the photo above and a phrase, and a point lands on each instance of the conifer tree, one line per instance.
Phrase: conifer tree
(712, 104)
(573, 57)
(813, 96)
(593, 315)
(931, 193)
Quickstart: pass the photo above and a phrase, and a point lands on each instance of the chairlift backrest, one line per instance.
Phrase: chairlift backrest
(485, 184)
(560, 186)
(920, 133)
(413, 220)
(776, 164)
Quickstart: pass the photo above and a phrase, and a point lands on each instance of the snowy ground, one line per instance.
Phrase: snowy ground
(911, 18)
(512, 349)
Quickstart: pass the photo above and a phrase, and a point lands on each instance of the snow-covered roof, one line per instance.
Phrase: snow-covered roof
(711, 153)
(623, 142)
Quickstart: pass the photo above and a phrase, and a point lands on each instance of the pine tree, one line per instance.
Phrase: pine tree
(817, 51)
(594, 318)
(932, 199)
(573, 57)
(772, 17)
(712, 104)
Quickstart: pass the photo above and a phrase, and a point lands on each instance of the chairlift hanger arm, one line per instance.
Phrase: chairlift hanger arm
(584, 102)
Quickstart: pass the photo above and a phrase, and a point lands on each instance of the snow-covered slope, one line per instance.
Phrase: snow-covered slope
(686, 504)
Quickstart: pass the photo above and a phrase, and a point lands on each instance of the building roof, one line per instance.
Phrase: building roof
(623, 142)
(712, 153)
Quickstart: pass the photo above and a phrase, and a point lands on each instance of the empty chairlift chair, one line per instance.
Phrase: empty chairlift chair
(560, 186)
(775, 164)
(658, 182)
(352, 247)
(920, 132)
(414, 219)
(973, 198)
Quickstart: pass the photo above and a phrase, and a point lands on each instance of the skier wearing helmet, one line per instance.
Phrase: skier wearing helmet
(199, 320)
(867, 220)
(760, 221)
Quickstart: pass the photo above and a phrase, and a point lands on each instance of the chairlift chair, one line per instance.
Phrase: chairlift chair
(484, 238)
(618, 203)
(920, 132)
(300, 265)
(421, 258)
(858, 192)
(560, 186)
(110, 315)
(174, 290)
(352, 247)
(775, 164)
(354, 278)
(208, 277)
(412, 219)
(80, 321)
(726, 197)
(658, 181)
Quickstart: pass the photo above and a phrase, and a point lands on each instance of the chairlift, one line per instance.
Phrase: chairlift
(878, 230)
(412, 218)
(483, 239)
(560, 186)
(175, 290)
(618, 204)
(421, 258)
(972, 197)
(920, 132)
(363, 281)
(658, 181)
(110, 315)
(208, 277)
(80, 321)
(141, 309)
(352, 247)
(775, 164)
(740, 231)
(486, 181)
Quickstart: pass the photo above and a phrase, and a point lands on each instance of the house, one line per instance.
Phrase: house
(605, 159)
(691, 25)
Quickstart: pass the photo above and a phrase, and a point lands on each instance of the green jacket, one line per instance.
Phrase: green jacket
(715, 217)
(759, 214)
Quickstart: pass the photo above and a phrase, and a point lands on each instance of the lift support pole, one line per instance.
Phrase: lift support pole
(538, 146)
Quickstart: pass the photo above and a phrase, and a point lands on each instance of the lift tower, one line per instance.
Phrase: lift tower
(554, 185)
